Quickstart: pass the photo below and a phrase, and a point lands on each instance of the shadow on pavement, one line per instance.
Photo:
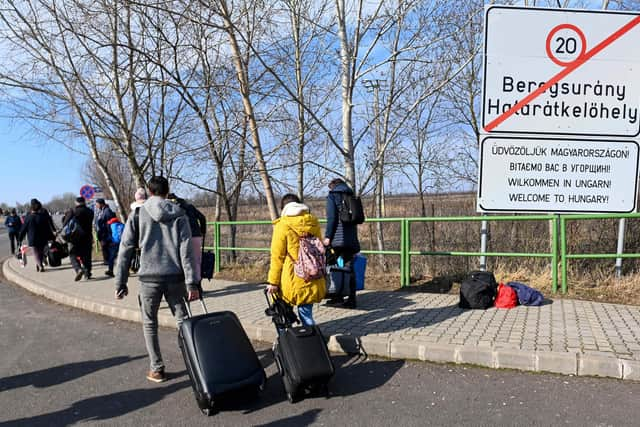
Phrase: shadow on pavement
(354, 374)
(304, 419)
(231, 289)
(388, 312)
(102, 407)
(63, 373)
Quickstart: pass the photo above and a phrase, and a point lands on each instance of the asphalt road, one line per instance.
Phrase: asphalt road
(60, 366)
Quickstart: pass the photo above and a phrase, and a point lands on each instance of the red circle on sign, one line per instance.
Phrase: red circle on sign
(87, 191)
(580, 34)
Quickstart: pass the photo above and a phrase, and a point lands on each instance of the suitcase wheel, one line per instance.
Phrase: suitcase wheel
(210, 409)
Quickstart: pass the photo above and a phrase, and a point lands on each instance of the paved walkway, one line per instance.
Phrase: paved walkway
(564, 336)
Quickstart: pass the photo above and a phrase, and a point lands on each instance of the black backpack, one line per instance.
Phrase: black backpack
(350, 209)
(73, 231)
(478, 290)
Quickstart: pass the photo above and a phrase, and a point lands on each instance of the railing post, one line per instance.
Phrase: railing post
(216, 246)
(563, 253)
(620, 249)
(554, 254)
(407, 253)
(403, 252)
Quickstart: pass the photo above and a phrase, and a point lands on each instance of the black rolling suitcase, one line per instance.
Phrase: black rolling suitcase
(301, 354)
(219, 357)
(53, 253)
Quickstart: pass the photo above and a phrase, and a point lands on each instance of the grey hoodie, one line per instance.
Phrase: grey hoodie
(166, 253)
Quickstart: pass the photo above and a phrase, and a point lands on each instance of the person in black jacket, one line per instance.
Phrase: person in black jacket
(81, 244)
(13, 224)
(39, 229)
(343, 238)
(102, 216)
(198, 226)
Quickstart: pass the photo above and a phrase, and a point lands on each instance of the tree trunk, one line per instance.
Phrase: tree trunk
(243, 81)
(346, 62)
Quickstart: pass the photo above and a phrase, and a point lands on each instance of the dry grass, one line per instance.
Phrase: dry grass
(604, 288)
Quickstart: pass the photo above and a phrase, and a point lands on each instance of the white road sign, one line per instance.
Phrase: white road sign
(561, 72)
(551, 175)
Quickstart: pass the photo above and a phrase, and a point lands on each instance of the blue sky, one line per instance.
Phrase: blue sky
(31, 166)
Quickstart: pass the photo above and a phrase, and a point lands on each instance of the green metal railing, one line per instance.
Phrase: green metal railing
(553, 255)
(558, 253)
(564, 256)
(405, 251)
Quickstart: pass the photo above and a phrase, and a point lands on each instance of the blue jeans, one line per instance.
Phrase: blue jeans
(305, 313)
(113, 254)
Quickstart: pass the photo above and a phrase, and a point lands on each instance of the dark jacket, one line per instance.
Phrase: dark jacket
(38, 227)
(84, 216)
(197, 220)
(343, 236)
(13, 223)
(102, 228)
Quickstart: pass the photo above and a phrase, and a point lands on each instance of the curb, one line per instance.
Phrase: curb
(569, 363)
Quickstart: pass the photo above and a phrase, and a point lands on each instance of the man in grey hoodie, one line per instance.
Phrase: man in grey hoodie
(161, 231)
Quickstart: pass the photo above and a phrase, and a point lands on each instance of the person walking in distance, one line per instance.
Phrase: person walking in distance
(39, 229)
(139, 197)
(161, 230)
(13, 224)
(102, 216)
(77, 232)
(342, 237)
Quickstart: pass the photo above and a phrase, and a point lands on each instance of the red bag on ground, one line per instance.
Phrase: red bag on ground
(506, 298)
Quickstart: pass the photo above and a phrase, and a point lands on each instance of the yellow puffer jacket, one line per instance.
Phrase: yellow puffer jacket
(295, 221)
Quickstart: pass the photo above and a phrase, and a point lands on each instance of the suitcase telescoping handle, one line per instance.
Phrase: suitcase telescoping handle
(269, 300)
(188, 305)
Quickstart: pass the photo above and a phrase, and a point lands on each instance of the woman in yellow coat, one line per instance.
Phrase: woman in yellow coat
(295, 220)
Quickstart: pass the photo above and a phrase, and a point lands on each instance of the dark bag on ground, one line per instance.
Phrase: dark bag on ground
(478, 290)
(301, 354)
(350, 209)
(208, 265)
(219, 358)
(526, 294)
(53, 253)
(337, 281)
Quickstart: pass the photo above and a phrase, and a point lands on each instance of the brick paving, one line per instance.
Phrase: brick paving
(563, 336)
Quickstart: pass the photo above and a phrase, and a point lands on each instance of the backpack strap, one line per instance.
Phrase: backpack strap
(136, 226)
(286, 250)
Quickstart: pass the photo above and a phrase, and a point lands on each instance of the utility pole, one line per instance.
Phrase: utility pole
(374, 86)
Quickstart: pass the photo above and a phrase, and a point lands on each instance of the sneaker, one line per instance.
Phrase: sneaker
(108, 273)
(157, 376)
(335, 301)
(87, 275)
(79, 274)
(42, 269)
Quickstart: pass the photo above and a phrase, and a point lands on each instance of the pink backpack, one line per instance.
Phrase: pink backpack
(311, 262)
